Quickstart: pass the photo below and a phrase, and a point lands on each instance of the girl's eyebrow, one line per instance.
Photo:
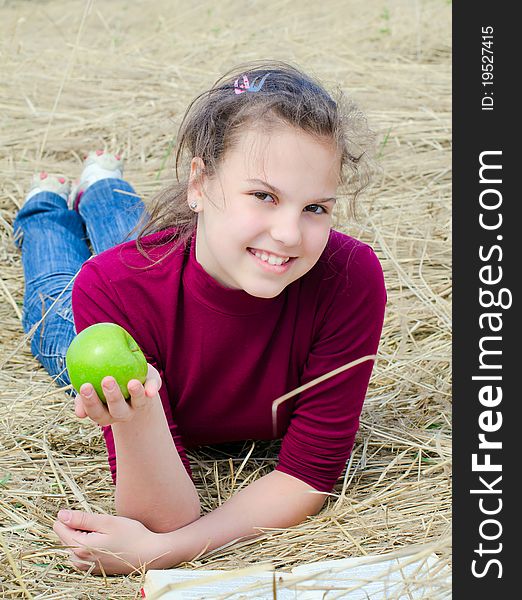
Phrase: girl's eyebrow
(279, 193)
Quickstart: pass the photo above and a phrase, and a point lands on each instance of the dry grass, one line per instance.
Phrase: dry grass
(81, 75)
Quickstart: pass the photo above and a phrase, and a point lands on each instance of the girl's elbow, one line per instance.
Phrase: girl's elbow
(177, 521)
(160, 520)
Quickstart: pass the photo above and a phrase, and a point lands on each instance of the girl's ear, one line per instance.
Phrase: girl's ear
(195, 193)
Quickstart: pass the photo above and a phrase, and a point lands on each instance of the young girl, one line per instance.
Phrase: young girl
(238, 291)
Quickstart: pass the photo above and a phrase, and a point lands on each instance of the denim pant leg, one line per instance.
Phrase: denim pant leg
(110, 209)
(54, 247)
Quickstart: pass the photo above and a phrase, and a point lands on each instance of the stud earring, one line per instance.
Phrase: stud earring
(193, 205)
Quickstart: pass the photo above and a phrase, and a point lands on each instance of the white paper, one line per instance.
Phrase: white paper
(364, 578)
(236, 588)
(396, 579)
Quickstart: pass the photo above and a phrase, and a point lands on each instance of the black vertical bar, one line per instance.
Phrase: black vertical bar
(486, 322)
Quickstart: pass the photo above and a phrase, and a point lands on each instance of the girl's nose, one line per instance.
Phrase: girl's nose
(286, 228)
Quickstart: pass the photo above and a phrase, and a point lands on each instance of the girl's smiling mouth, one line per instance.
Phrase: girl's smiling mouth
(275, 263)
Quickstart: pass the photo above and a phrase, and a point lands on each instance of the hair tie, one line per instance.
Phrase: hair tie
(245, 86)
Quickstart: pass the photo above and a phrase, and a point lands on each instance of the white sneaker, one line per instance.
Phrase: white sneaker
(97, 165)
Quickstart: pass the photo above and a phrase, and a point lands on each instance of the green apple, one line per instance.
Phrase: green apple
(105, 349)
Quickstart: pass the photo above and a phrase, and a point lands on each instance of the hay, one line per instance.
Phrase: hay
(82, 75)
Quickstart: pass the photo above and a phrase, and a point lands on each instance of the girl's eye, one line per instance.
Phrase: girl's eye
(316, 209)
(262, 196)
(313, 208)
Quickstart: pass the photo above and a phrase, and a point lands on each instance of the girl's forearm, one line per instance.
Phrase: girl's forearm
(276, 500)
(152, 484)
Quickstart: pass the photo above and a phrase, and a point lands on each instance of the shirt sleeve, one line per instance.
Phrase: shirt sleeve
(325, 418)
(95, 300)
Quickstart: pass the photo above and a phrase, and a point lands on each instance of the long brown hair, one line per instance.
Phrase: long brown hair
(215, 118)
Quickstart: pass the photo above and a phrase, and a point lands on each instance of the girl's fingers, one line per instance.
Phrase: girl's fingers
(117, 406)
(151, 388)
(77, 541)
(79, 409)
(138, 397)
(84, 521)
(66, 534)
(93, 406)
(153, 375)
(80, 564)
(80, 556)
(85, 536)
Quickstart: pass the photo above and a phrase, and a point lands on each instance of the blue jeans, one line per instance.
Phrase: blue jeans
(54, 244)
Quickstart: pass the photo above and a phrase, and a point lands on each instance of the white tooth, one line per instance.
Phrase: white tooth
(270, 258)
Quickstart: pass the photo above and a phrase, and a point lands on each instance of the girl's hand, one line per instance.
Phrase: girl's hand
(117, 409)
(112, 545)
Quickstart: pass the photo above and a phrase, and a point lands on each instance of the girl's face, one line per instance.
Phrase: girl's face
(265, 218)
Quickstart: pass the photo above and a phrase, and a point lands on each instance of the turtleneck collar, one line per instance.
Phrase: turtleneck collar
(216, 296)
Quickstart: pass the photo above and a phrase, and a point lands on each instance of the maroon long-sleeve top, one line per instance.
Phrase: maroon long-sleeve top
(224, 356)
